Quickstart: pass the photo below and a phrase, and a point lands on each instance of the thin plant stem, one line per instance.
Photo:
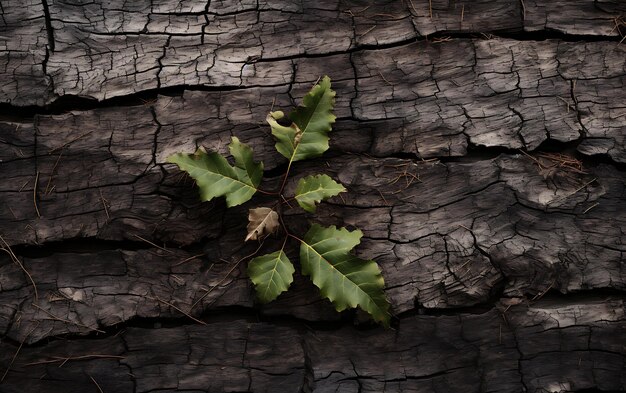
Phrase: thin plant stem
(296, 237)
(282, 187)
(7, 248)
(267, 192)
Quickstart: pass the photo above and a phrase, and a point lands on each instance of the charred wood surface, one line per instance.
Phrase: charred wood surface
(482, 143)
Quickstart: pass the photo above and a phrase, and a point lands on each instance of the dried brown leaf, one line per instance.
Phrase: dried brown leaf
(262, 221)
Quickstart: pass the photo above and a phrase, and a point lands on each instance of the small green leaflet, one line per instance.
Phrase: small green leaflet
(313, 189)
(307, 136)
(285, 136)
(271, 274)
(216, 177)
(343, 278)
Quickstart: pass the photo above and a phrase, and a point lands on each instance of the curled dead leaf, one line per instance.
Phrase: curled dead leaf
(298, 136)
(262, 222)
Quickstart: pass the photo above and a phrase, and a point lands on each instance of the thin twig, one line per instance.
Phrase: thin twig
(12, 361)
(565, 101)
(286, 201)
(273, 103)
(572, 193)
(69, 142)
(466, 228)
(342, 199)
(382, 196)
(149, 242)
(64, 360)
(168, 103)
(35, 194)
(464, 264)
(188, 259)
(18, 351)
(385, 79)
(540, 295)
(7, 248)
(358, 12)
(178, 309)
(590, 207)
(23, 185)
(67, 320)
(368, 30)
(529, 156)
(104, 203)
(96, 383)
(148, 102)
(52, 173)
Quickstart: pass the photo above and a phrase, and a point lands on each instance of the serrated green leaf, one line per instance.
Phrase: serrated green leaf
(271, 274)
(315, 188)
(285, 136)
(307, 136)
(244, 162)
(216, 177)
(344, 279)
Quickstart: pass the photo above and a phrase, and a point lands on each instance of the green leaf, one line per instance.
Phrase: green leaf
(271, 274)
(244, 162)
(344, 279)
(307, 136)
(216, 177)
(285, 136)
(314, 189)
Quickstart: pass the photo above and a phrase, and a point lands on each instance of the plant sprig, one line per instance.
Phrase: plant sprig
(325, 252)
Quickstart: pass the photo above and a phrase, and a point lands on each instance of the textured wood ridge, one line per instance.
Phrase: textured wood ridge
(482, 143)
(551, 347)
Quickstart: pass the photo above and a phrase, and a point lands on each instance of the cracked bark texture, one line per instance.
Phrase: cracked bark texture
(482, 143)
